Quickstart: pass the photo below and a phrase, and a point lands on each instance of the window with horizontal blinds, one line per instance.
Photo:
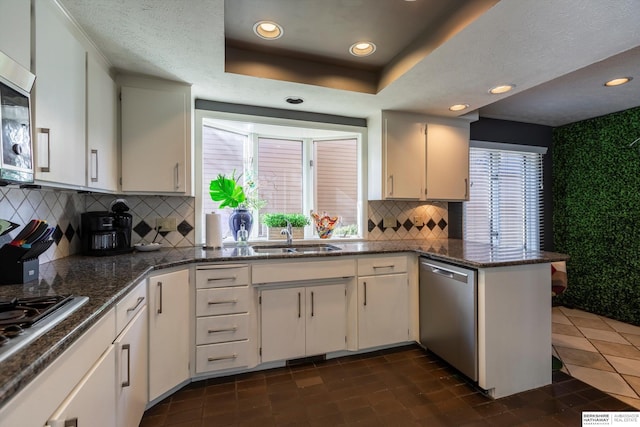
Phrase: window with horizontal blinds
(505, 198)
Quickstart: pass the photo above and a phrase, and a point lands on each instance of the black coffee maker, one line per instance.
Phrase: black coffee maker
(107, 233)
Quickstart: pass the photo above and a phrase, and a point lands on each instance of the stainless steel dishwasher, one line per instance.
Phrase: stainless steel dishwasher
(448, 314)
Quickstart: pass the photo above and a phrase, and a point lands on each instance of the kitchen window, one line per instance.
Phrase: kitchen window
(294, 172)
(505, 195)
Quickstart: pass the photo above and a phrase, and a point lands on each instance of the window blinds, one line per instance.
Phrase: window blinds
(505, 198)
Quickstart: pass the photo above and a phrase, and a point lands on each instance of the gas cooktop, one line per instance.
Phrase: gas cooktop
(22, 320)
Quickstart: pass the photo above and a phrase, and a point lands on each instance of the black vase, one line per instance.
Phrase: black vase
(238, 217)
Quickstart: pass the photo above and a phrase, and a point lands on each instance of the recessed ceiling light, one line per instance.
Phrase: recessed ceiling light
(295, 100)
(362, 49)
(501, 89)
(268, 30)
(619, 81)
(459, 107)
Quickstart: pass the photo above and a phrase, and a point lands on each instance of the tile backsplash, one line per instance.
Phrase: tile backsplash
(432, 216)
(62, 209)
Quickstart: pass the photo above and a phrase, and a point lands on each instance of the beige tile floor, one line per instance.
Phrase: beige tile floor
(601, 352)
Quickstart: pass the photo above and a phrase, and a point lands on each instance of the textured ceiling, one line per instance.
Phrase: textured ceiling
(537, 45)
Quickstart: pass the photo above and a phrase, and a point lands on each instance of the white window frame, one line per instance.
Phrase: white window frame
(322, 129)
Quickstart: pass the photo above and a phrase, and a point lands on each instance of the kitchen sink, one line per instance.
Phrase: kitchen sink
(299, 249)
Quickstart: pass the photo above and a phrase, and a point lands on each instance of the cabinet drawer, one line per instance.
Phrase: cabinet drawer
(222, 276)
(228, 355)
(382, 265)
(210, 302)
(130, 306)
(216, 329)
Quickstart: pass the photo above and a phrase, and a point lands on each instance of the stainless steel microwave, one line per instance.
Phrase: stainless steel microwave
(16, 145)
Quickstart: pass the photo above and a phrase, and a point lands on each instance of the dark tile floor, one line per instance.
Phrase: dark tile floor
(398, 387)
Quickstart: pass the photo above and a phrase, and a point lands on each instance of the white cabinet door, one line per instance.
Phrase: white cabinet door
(102, 148)
(282, 323)
(326, 320)
(15, 31)
(59, 99)
(447, 162)
(303, 321)
(92, 401)
(131, 371)
(154, 140)
(404, 157)
(168, 331)
(383, 310)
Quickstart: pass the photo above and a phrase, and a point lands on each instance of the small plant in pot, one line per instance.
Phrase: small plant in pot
(227, 191)
(275, 222)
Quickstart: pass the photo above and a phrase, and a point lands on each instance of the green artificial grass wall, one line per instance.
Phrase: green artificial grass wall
(596, 213)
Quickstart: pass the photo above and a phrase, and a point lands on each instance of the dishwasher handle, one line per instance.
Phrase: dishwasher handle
(441, 271)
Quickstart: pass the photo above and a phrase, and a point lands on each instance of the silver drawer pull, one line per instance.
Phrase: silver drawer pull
(232, 301)
(215, 331)
(217, 279)
(138, 302)
(384, 266)
(217, 359)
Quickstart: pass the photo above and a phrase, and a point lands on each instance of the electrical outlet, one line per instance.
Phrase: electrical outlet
(418, 221)
(389, 222)
(166, 224)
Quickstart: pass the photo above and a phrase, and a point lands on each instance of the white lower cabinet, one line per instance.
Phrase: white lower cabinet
(131, 371)
(383, 310)
(92, 401)
(168, 331)
(303, 321)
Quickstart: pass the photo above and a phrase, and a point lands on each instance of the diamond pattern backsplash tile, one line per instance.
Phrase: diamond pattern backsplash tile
(61, 209)
(434, 216)
(146, 209)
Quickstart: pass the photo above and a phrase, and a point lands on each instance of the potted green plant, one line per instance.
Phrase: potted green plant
(275, 222)
(230, 193)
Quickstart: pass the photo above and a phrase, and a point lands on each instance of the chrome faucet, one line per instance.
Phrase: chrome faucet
(288, 232)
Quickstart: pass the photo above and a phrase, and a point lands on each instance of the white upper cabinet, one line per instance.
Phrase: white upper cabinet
(15, 31)
(417, 157)
(403, 138)
(60, 102)
(102, 143)
(447, 161)
(156, 136)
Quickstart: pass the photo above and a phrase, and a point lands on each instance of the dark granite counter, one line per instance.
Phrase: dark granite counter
(105, 280)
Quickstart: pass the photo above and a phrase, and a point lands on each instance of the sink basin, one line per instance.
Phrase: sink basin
(300, 249)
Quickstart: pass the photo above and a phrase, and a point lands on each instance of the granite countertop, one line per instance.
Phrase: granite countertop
(105, 280)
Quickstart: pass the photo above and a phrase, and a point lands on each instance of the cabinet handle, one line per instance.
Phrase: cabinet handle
(72, 422)
(375, 267)
(216, 359)
(159, 311)
(138, 302)
(466, 188)
(44, 149)
(217, 279)
(365, 293)
(231, 301)
(127, 347)
(177, 176)
(311, 303)
(299, 306)
(216, 331)
(94, 165)
(391, 179)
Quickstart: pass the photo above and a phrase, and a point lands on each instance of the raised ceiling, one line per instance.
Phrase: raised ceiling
(557, 52)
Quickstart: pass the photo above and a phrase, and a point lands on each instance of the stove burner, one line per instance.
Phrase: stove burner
(12, 316)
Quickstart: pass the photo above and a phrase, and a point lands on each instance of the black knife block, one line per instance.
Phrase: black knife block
(20, 265)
